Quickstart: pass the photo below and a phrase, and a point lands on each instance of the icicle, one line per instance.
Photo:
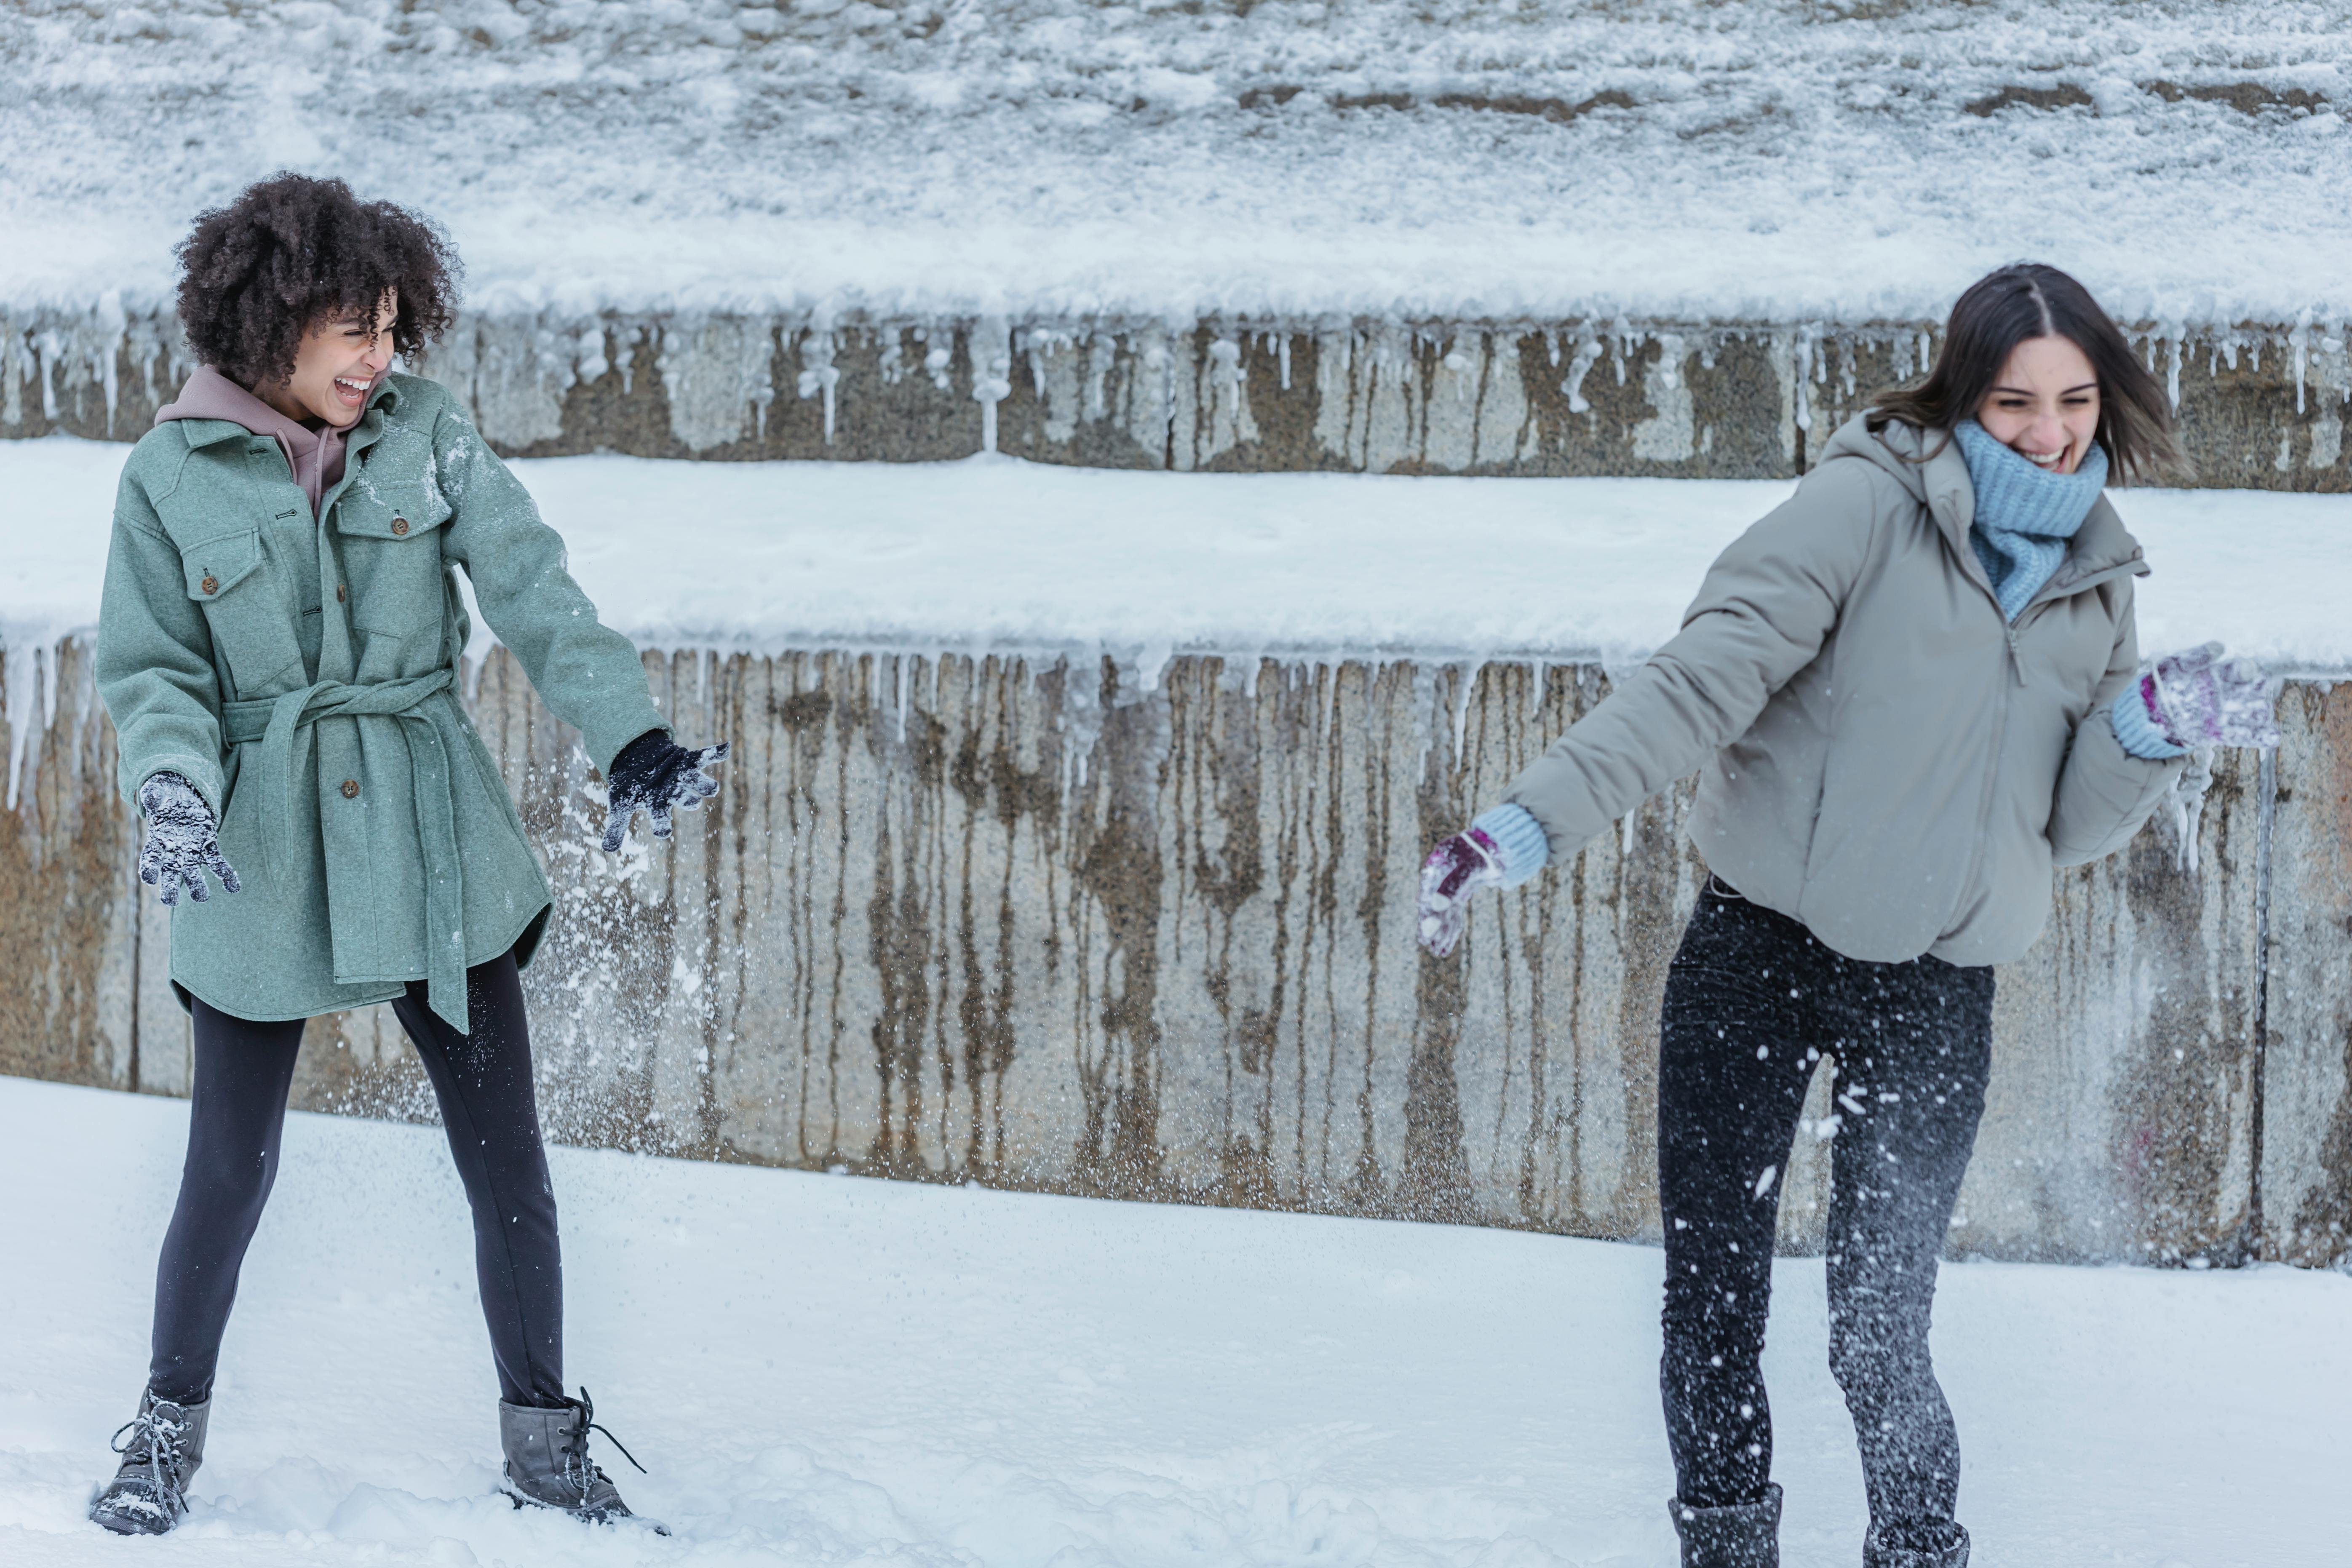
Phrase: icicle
(24, 669)
(1587, 353)
(1150, 663)
(48, 349)
(1224, 371)
(1467, 678)
(905, 692)
(2301, 339)
(819, 378)
(1625, 825)
(2178, 345)
(2187, 801)
(114, 327)
(1281, 353)
(1804, 372)
(1537, 671)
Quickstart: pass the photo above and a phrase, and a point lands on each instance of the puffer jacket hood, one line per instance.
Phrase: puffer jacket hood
(1882, 755)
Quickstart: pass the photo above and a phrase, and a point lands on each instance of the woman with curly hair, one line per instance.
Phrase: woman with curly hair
(1911, 693)
(277, 646)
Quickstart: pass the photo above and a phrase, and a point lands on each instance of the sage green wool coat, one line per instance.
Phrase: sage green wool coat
(301, 672)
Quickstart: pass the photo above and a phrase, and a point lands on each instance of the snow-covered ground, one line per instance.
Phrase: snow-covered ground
(827, 1371)
(993, 553)
(1777, 160)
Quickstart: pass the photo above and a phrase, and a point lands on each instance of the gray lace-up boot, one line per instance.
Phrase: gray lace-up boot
(160, 1448)
(548, 1464)
(1942, 1544)
(1745, 1535)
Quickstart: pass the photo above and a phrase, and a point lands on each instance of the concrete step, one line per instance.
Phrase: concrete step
(2261, 406)
(1032, 924)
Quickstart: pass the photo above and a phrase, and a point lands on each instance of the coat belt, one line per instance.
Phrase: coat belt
(435, 737)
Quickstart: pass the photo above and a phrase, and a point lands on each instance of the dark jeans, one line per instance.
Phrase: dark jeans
(237, 1115)
(1752, 1003)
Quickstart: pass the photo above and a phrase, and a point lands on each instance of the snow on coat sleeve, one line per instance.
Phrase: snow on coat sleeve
(589, 673)
(1766, 607)
(2105, 794)
(154, 666)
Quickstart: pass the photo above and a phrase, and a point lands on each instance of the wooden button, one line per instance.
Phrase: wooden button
(210, 584)
(400, 525)
(350, 789)
(339, 591)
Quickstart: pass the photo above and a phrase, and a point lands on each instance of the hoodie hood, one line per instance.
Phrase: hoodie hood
(315, 457)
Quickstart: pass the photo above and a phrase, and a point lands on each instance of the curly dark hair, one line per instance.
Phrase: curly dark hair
(291, 251)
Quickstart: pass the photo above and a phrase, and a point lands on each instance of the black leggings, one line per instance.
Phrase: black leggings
(236, 1114)
(1752, 1003)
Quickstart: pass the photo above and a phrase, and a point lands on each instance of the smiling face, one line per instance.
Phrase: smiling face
(2044, 404)
(338, 365)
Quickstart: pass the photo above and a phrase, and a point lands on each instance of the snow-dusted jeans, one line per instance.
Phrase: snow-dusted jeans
(237, 1116)
(1753, 1004)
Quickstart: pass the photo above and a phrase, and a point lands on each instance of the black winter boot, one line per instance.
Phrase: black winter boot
(548, 1465)
(1745, 1535)
(1943, 1544)
(149, 1493)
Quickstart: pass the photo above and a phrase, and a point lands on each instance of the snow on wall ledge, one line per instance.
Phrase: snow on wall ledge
(2260, 407)
(1033, 924)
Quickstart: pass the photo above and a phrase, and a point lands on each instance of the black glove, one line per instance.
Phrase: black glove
(182, 840)
(655, 774)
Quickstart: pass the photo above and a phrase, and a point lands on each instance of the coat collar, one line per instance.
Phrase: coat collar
(1929, 465)
(382, 402)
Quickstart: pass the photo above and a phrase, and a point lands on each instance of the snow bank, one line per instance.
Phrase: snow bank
(998, 553)
(1788, 161)
(828, 1371)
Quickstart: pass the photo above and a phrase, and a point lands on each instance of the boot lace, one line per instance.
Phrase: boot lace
(154, 1441)
(578, 1470)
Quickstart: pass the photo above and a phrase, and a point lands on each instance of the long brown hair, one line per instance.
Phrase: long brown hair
(2026, 300)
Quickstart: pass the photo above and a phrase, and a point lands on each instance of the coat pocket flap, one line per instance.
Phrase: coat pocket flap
(217, 565)
(390, 514)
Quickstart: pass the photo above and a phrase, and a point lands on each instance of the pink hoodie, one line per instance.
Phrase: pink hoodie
(315, 456)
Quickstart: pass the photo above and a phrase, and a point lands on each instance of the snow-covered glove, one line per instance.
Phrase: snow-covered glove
(182, 840)
(2198, 700)
(1452, 872)
(656, 775)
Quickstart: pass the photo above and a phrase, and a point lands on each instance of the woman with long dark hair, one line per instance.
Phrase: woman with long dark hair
(277, 646)
(1912, 692)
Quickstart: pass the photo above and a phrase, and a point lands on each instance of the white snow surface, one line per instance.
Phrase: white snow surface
(993, 553)
(1828, 160)
(831, 1371)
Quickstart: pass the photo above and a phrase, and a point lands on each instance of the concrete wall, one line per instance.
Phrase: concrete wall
(2260, 407)
(1066, 929)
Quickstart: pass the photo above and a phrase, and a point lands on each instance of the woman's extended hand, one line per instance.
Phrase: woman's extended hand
(182, 840)
(656, 774)
(2196, 699)
(1453, 871)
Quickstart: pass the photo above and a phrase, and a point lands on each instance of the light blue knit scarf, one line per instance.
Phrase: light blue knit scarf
(2025, 514)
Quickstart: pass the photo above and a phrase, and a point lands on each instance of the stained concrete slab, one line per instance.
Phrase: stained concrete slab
(1100, 930)
(2260, 407)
